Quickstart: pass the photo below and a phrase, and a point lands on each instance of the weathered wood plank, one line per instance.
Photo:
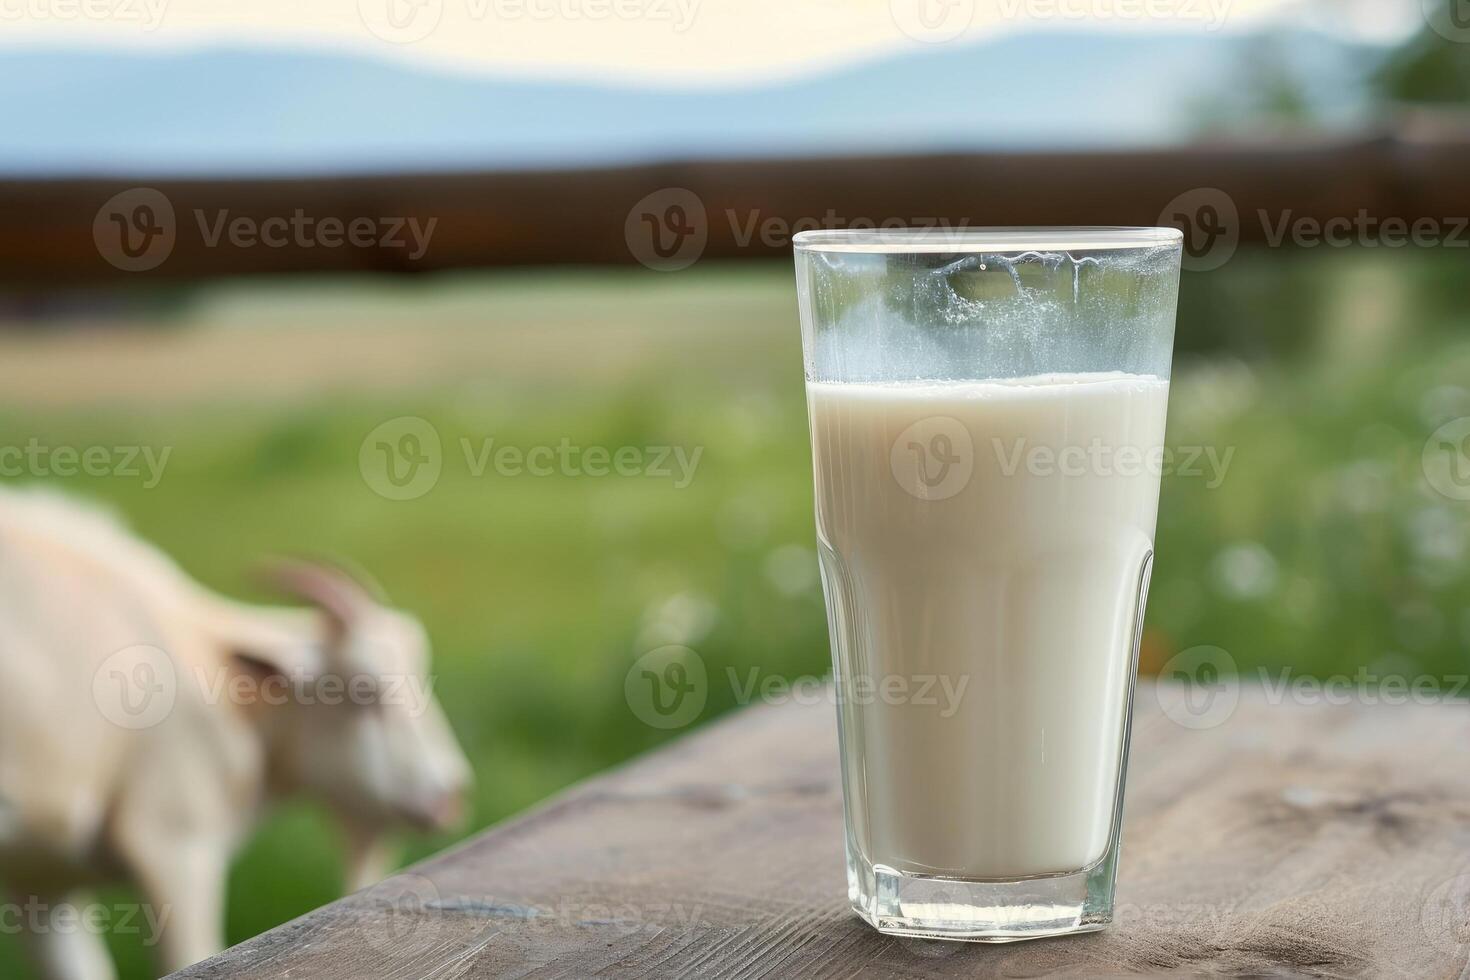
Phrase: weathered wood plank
(1290, 840)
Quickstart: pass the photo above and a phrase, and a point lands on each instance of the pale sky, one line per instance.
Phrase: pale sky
(660, 41)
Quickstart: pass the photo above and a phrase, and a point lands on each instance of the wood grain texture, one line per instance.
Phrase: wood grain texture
(1291, 840)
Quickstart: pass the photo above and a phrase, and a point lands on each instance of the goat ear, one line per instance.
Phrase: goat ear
(341, 596)
(266, 653)
(260, 668)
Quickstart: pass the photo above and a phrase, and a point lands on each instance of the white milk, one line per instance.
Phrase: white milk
(993, 537)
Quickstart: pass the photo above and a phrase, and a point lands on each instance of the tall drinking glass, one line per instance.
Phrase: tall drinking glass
(987, 422)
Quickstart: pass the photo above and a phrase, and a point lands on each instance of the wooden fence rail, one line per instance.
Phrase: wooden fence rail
(133, 229)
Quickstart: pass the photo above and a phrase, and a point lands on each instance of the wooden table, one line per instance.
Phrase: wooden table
(1290, 839)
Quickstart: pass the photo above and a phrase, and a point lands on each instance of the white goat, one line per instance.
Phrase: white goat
(144, 722)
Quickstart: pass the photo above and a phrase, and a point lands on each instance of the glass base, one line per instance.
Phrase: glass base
(981, 910)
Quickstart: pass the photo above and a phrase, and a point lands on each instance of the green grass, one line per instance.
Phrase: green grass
(1322, 549)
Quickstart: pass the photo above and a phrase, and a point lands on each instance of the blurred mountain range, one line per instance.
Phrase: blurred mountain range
(262, 111)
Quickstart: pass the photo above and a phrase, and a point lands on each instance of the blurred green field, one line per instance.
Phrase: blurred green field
(1322, 548)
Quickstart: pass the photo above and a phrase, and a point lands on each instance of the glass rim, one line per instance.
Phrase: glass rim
(1041, 238)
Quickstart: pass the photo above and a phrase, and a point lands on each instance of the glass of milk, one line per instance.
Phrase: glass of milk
(987, 422)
